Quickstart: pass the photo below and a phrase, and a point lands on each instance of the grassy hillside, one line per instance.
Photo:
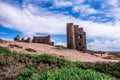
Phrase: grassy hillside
(19, 66)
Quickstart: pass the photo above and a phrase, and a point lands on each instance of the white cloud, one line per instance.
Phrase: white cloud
(84, 9)
(29, 23)
(61, 43)
(66, 3)
(112, 9)
(115, 9)
(114, 3)
(62, 3)
(107, 45)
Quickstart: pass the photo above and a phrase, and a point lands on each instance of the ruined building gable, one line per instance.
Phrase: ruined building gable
(76, 37)
(41, 39)
(17, 38)
(36, 39)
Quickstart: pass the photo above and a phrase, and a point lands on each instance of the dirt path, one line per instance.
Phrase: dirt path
(73, 55)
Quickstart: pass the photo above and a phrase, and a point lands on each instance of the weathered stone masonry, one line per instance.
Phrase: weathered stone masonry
(17, 38)
(36, 39)
(76, 37)
(42, 39)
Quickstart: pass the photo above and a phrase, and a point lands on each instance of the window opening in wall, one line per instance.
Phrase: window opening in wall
(79, 44)
(80, 36)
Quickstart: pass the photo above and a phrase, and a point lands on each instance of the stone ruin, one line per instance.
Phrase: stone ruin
(42, 39)
(76, 37)
(17, 38)
(36, 39)
(26, 40)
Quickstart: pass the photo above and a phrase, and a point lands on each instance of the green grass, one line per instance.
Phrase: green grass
(74, 74)
(28, 75)
(112, 69)
(45, 67)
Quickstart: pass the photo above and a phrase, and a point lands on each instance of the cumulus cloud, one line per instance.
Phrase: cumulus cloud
(31, 20)
(61, 43)
(62, 3)
(111, 9)
(28, 22)
(84, 9)
(107, 45)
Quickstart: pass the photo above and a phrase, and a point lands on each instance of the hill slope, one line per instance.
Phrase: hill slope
(19, 66)
(73, 55)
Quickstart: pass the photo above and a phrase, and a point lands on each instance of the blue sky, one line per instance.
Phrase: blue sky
(99, 18)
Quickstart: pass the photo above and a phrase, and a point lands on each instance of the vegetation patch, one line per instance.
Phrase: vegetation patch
(14, 46)
(110, 68)
(115, 55)
(74, 74)
(30, 50)
(20, 66)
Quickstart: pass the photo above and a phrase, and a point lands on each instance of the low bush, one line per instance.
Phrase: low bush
(30, 50)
